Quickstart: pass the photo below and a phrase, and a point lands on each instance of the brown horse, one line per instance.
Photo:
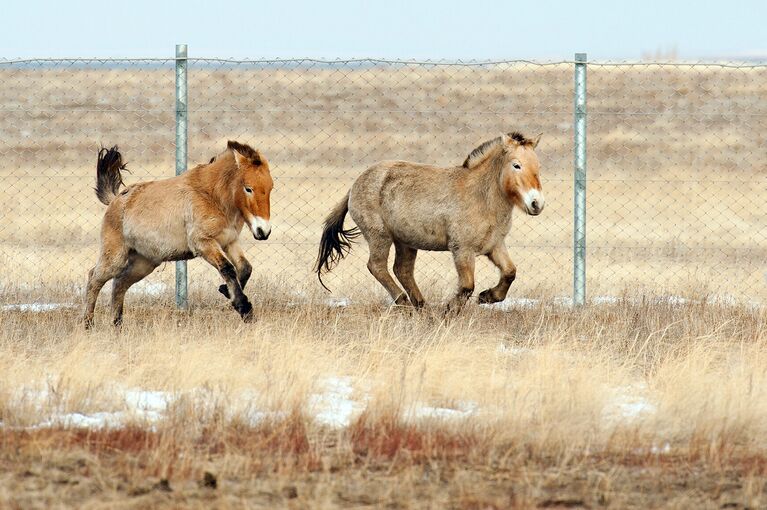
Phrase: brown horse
(199, 213)
(465, 209)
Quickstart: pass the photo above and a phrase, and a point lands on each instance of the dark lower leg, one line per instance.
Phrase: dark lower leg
(500, 257)
(240, 301)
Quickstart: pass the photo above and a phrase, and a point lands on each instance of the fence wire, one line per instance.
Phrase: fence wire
(676, 188)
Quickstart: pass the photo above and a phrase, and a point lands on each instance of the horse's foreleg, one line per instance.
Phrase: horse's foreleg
(378, 265)
(464, 265)
(212, 252)
(241, 264)
(500, 257)
(138, 268)
(404, 266)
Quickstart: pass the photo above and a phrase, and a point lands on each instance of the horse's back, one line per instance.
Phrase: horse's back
(410, 201)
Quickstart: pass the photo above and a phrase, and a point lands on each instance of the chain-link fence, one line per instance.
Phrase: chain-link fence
(677, 165)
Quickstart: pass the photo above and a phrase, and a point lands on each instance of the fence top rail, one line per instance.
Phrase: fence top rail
(379, 61)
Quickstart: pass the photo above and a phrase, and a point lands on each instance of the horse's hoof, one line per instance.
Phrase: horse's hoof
(486, 297)
(453, 309)
(245, 309)
(223, 289)
(402, 300)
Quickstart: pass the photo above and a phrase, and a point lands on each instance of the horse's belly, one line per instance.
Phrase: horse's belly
(158, 245)
(420, 235)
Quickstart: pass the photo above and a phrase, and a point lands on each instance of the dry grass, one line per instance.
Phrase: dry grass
(554, 390)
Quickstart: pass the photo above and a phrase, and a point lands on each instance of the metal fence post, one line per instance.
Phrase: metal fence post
(579, 184)
(182, 300)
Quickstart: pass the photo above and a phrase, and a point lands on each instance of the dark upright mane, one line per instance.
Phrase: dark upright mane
(481, 151)
(246, 151)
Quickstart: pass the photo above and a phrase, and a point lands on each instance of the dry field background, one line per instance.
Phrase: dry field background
(623, 405)
(676, 191)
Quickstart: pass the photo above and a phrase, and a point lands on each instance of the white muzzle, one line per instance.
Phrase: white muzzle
(261, 228)
(534, 202)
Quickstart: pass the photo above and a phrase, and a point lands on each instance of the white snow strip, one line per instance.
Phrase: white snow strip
(141, 405)
(511, 303)
(605, 300)
(35, 307)
(423, 412)
(89, 421)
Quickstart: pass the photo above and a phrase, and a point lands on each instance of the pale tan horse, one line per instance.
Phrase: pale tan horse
(197, 214)
(465, 210)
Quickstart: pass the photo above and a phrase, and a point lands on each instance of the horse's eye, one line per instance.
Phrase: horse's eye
(248, 190)
(516, 165)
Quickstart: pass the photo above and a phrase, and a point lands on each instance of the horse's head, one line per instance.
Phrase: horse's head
(253, 189)
(519, 176)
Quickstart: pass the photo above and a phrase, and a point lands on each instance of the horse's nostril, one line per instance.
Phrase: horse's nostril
(534, 205)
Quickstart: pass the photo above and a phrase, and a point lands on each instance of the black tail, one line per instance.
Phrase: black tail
(336, 242)
(108, 176)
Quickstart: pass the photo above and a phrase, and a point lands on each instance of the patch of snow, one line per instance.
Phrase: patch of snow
(35, 307)
(147, 405)
(79, 420)
(423, 412)
(566, 301)
(628, 403)
(511, 303)
(338, 302)
(671, 300)
(333, 406)
(605, 300)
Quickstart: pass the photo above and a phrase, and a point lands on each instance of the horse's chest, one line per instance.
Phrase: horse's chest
(228, 235)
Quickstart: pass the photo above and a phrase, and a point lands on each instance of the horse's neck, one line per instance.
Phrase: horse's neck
(484, 183)
(215, 184)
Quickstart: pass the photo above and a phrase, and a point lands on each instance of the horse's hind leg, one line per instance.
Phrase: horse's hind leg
(500, 257)
(137, 269)
(404, 266)
(212, 252)
(241, 264)
(110, 264)
(378, 265)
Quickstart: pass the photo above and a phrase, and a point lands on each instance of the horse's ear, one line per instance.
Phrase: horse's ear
(537, 139)
(504, 139)
(239, 159)
(256, 159)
